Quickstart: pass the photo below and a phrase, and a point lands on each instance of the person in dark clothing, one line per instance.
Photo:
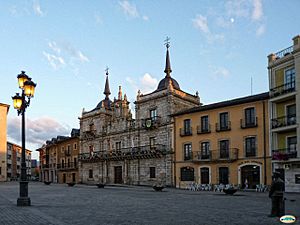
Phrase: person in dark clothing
(276, 194)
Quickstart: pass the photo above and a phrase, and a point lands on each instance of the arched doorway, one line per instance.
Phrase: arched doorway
(250, 174)
(204, 175)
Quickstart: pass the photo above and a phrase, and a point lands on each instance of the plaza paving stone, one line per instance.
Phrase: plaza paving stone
(59, 204)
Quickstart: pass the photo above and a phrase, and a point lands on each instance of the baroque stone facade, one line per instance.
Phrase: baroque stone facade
(116, 148)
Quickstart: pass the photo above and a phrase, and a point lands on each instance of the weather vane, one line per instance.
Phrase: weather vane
(106, 70)
(167, 42)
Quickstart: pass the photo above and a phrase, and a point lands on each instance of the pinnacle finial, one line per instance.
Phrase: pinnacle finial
(168, 69)
(106, 89)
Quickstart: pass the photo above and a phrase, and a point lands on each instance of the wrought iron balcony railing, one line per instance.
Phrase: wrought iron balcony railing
(203, 129)
(249, 123)
(283, 121)
(142, 152)
(284, 52)
(284, 154)
(223, 126)
(283, 89)
(230, 154)
(66, 166)
(186, 131)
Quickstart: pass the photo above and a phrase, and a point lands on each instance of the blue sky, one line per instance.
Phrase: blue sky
(65, 46)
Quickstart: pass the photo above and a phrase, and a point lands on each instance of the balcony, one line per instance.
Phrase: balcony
(45, 165)
(283, 89)
(151, 122)
(284, 52)
(284, 154)
(186, 131)
(131, 153)
(221, 155)
(283, 121)
(203, 129)
(67, 166)
(68, 152)
(223, 126)
(249, 123)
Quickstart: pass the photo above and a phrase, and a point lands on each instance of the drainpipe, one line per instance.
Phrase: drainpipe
(174, 131)
(264, 140)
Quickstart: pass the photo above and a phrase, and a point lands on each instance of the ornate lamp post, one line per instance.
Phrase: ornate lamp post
(21, 103)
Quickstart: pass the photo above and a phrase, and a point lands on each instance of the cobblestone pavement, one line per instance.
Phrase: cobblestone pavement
(58, 204)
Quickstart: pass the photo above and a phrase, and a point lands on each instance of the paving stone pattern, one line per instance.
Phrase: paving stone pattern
(58, 204)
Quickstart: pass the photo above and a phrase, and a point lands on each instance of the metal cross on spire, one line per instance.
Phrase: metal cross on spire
(106, 70)
(167, 42)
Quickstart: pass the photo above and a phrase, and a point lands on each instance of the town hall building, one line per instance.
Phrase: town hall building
(117, 148)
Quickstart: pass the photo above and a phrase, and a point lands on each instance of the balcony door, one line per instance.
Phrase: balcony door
(291, 114)
(224, 149)
(205, 150)
(289, 78)
(291, 143)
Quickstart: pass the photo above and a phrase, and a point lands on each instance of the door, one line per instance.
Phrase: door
(73, 177)
(118, 175)
(250, 175)
(223, 175)
(64, 178)
(204, 172)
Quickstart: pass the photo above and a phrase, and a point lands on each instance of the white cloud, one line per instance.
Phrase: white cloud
(200, 23)
(220, 72)
(238, 8)
(64, 54)
(129, 9)
(98, 18)
(261, 30)
(37, 130)
(55, 61)
(146, 83)
(37, 8)
(257, 10)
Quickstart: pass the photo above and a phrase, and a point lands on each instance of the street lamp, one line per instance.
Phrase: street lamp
(20, 104)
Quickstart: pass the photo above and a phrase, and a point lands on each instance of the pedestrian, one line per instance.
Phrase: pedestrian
(276, 194)
(246, 183)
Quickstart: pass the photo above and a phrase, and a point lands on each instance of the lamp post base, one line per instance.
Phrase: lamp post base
(23, 201)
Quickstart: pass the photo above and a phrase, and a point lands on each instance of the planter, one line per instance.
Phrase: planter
(47, 182)
(229, 191)
(71, 184)
(158, 188)
(100, 185)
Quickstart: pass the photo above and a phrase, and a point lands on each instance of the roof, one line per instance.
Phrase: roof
(232, 102)
(163, 84)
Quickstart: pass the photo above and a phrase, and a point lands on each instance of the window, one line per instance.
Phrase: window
(291, 114)
(187, 151)
(62, 163)
(75, 146)
(152, 142)
(297, 178)
(187, 127)
(75, 162)
(224, 149)
(187, 174)
(153, 114)
(62, 149)
(0, 170)
(289, 78)
(152, 172)
(204, 124)
(69, 148)
(250, 117)
(224, 124)
(118, 145)
(250, 145)
(91, 149)
(90, 173)
(205, 153)
(291, 144)
(223, 175)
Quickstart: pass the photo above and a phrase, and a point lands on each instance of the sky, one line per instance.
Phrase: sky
(217, 47)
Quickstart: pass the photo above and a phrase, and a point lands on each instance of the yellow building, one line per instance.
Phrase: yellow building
(3, 143)
(225, 142)
(284, 82)
(59, 159)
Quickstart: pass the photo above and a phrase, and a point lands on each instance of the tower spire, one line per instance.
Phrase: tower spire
(168, 69)
(106, 89)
